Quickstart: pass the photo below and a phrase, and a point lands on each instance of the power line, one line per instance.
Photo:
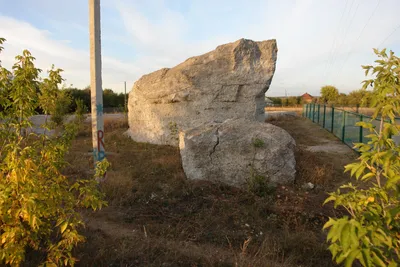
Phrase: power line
(347, 29)
(398, 27)
(334, 41)
(334, 51)
(358, 38)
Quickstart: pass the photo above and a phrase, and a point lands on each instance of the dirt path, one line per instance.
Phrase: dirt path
(320, 158)
(320, 146)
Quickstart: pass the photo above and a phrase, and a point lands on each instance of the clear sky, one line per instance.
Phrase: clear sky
(320, 41)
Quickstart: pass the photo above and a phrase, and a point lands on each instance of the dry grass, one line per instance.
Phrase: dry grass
(312, 168)
(158, 218)
(298, 110)
(111, 124)
(364, 111)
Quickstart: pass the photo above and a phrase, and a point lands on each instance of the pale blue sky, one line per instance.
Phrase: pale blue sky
(320, 41)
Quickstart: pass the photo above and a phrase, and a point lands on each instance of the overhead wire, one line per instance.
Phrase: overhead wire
(398, 27)
(329, 59)
(358, 38)
(346, 30)
(331, 63)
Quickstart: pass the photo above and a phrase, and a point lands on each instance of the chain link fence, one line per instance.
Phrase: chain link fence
(342, 123)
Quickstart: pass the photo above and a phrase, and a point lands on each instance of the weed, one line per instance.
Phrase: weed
(173, 128)
(258, 143)
(259, 185)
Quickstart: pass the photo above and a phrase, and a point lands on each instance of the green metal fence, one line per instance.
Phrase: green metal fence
(341, 123)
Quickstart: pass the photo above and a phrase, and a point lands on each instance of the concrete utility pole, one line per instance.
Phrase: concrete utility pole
(95, 81)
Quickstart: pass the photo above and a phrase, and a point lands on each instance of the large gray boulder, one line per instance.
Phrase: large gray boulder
(229, 82)
(237, 150)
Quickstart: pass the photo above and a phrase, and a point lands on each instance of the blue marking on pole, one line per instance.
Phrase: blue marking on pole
(99, 109)
(99, 155)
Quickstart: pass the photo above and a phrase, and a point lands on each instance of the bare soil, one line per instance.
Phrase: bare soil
(156, 217)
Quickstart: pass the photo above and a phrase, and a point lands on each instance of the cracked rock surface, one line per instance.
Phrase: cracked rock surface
(237, 149)
(228, 82)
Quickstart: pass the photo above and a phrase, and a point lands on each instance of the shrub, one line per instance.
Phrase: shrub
(370, 234)
(260, 186)
(38, 204)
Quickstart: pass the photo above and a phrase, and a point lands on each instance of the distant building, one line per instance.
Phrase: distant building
(307, 98)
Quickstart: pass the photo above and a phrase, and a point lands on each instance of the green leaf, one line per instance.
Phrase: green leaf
(336, 231)
(359, 171)
(340, 257)
(334, 249)
(368, 175)
(366, 258)
(353, 235)
(378, 260)
(345, 237)
(351, 257)
(63, 226)
(330, 198)
(329, 223)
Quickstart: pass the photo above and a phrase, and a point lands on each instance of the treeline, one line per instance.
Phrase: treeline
(290, 101)
(329, 95)
(358, 98)
(111, 100)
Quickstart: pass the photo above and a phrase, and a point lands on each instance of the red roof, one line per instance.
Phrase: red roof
(307, 96)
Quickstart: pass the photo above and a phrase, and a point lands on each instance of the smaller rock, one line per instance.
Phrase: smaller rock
(238, 152)
(308, 186)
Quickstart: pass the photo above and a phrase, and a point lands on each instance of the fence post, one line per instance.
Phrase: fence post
(313, 113)
(306, 110)
(319, 107)
(323, 119)
(333, 118)
(361, 130)
(343, 125)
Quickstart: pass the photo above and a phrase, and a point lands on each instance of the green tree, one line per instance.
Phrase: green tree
(38, 204)
(110, 98)
(285, 101)
(276, 100)
(370, 231)
(292, 101)
(82, 95)
(342, 100)
(329, 94)
(362, 98)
